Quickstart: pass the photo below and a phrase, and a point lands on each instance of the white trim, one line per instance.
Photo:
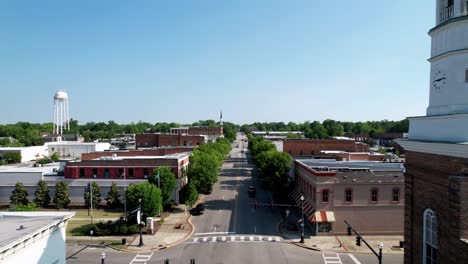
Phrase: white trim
(432, 215)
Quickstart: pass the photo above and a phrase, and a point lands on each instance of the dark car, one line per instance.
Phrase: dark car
(252, 191)
(198, 210)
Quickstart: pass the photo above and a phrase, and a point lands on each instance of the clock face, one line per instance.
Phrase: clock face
(439, 81)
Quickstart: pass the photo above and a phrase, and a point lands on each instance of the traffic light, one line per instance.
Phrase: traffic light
(349, 230)
(358, 241)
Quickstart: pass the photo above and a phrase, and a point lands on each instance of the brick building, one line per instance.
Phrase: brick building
(436, 179)
(314, 147)
(212, 133)
(157, 140)
(353, 156)
(361, 192)
(137, 152)
(119, 169)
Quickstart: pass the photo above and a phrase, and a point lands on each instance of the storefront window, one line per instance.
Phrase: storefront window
(325, 227)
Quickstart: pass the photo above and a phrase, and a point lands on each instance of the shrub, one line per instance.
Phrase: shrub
(133, 229)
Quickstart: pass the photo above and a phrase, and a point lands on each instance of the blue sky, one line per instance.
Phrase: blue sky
(183, 61)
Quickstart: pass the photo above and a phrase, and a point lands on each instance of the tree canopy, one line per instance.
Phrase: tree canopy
(42, 196)
(150, 195)
(167, 183)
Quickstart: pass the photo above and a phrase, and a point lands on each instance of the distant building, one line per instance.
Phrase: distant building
(314, 147)
(436, 179)
(27, 153)
(387, 138)
(46, 137)
(33, 237)
(360, 137)
(369, 195)
(73, 150)
(156, 140)
(162, 151)
(353, 156)
(212, 133)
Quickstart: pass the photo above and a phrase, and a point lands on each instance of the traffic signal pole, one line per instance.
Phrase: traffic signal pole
(359, 237)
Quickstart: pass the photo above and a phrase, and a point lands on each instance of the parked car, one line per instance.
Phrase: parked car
(252, 191)
(198, 210)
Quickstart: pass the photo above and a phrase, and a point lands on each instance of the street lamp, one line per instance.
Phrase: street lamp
(103, 257)
(380, 252)
(302, 219)
(139, 223)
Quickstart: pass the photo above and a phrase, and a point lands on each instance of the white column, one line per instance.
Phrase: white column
(55, 118)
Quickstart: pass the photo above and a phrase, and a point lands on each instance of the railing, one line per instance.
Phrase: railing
(446, 14)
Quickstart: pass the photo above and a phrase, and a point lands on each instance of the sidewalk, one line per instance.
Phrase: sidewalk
(346, 244)
(168, 234)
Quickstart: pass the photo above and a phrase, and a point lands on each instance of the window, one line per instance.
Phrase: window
(348, 196)
(430, 237)
(82, 172)
(145, 173)
(374, 195)
(120, 172)
(324, 227)
(95, 173)
(106, 173)
(395, 194)
(325, 196)
(130, 172)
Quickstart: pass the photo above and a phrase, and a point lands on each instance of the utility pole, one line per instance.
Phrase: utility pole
(91, 200)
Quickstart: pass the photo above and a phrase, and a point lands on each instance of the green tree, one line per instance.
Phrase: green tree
(167, 183)
(113, 197)
(203, 170)
(41, 196)
(151, 199)
(189, 194)
(12, 157)
(54, 157)
(62, 195)
(19, 196)
(96, 195)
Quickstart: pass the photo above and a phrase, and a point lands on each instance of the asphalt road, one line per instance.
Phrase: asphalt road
(231, 230)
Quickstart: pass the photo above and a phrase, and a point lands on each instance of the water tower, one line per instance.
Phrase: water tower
(61, 114)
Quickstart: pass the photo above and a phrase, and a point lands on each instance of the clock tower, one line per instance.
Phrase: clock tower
(446, 117)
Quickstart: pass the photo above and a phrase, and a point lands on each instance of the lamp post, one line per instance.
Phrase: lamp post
(380, 252)
(103, 257)
(139, 223)
(302, 219)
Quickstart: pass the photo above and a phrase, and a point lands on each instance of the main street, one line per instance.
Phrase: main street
(231, 230)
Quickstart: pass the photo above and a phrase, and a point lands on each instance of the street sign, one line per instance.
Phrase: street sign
(287, 212)
(138, 217)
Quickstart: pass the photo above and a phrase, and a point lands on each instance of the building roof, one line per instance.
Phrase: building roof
(446, 149)
(374, 166)
(33, 223)
(170, 156)
(28, 167)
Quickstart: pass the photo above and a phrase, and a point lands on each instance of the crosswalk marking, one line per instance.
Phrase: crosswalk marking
(331, 258)
(141, 258)
(213, 239)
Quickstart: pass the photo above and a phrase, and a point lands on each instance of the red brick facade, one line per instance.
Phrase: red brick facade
(116, 169)
(309, 147)
(439, 183)
(165, 140)
(138, 152)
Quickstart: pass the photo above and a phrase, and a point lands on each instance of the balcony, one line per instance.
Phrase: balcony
(446, 14)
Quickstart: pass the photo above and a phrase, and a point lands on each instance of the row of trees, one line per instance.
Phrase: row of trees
(204, 167)
(19, 196)
(273, 166)
(28, 134)
(331, 128)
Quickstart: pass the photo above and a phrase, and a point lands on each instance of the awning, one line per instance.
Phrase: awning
(308, 208)
(323, 216)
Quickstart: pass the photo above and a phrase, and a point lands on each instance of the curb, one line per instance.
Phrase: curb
(292, 242)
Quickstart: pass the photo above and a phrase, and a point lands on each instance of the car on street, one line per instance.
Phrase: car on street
(198, 210)
(252, 191)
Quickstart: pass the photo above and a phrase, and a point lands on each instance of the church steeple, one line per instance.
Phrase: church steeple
(221, 118)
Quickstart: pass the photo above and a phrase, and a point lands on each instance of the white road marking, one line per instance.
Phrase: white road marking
(251, 238)
(269, 239)
(205, 239)
(141, 258)
(331, 258)
(233, 238)
(223, 238)
(195, 240)
(260, 238)
(213, 239)
(354, 259)
(242, 238)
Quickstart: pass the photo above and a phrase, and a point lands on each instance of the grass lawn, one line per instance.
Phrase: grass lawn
(98, 213)
(77, 228)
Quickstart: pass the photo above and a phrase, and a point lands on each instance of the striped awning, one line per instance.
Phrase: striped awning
(308, 208)
(323, 216)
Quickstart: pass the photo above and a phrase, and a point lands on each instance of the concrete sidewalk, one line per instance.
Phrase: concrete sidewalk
(175, 229)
